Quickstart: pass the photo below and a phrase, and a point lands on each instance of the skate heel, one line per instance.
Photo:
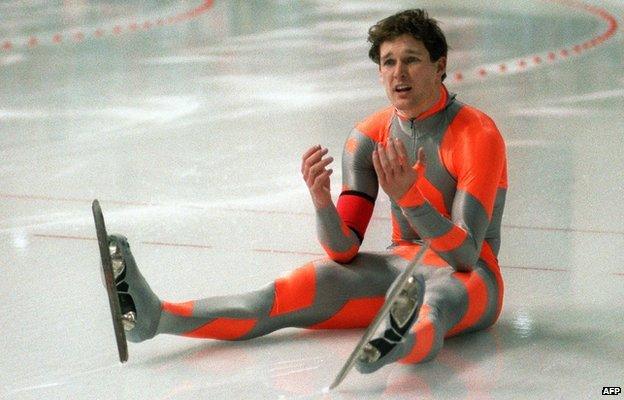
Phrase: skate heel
(128, 309)
(140, 307)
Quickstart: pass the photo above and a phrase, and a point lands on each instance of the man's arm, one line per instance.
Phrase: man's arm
(457, 240)
(341, 228)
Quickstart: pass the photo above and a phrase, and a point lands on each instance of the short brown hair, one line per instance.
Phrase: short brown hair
(416, 23)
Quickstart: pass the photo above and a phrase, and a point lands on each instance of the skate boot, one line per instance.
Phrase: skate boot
(390, 347)
(140, 307)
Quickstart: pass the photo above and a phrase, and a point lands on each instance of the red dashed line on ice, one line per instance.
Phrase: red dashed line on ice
(275, 251)
(170, 244)
(151, 243)
(527, 62)
(82, 35)
(272, 212)
(67, 237)
(549, 269)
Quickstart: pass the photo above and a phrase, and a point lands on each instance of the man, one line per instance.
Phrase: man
(442, 164)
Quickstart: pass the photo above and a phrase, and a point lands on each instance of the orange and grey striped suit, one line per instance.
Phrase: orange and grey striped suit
(456, 203)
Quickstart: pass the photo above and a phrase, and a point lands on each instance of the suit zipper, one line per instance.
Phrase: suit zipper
(414, 149)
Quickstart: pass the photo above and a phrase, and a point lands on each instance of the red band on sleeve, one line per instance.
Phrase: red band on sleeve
(412, 198)
(341, 257)
(355, 211)
(450, 240)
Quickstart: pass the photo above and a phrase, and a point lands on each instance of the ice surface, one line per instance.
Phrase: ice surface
(190, 135)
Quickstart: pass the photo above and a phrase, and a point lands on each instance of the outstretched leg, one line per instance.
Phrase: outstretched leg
(319, 295)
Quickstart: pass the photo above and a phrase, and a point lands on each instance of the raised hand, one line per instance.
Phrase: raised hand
(316, 175)
(393, 172)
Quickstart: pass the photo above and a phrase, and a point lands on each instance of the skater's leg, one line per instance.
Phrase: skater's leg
(454, 302)
(319, 295)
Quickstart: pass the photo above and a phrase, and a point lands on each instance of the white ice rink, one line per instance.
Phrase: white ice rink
(187, 121)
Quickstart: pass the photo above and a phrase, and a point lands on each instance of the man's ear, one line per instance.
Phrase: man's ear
(441, 66)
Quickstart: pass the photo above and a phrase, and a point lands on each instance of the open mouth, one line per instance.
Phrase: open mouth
(401, 88)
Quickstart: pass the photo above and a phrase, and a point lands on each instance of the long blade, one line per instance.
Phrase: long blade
(370, 331)
(109, 279)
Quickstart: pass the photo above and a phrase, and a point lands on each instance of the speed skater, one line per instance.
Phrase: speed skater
(441, 162)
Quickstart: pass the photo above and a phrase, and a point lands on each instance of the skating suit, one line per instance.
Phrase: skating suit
(456, 203)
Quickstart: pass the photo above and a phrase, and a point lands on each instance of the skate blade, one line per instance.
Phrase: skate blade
(109, 282)
(401, 282)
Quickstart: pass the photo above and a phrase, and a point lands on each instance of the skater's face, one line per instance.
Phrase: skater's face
(411, 80)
